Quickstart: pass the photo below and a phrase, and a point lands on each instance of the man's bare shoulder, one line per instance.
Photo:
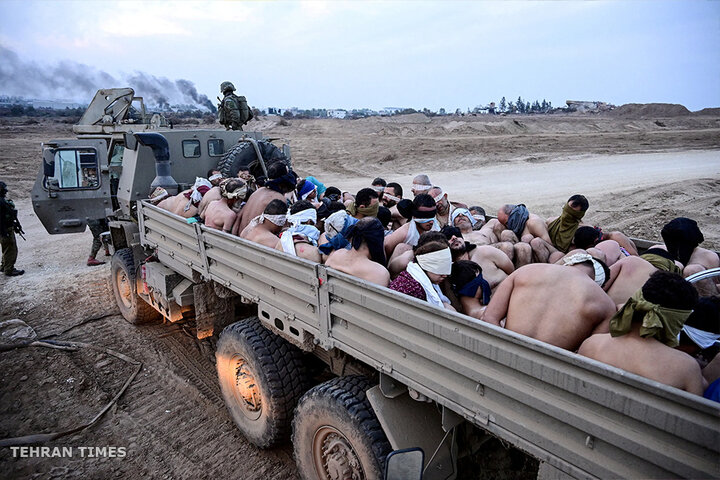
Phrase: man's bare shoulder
(705, 257)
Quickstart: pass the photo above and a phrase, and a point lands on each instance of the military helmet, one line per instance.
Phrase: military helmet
(225, 86)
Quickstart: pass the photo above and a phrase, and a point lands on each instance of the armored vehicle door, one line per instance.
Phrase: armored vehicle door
(73, 185)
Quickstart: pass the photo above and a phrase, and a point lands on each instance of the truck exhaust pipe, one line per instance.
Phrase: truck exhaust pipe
(159, 146)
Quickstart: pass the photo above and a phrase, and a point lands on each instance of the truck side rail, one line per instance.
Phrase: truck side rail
(583, 417)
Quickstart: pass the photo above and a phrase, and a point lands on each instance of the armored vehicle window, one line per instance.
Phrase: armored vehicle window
(77, 169)
(216, 147)
(191, 148)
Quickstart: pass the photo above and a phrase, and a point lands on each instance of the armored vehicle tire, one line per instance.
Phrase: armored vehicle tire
(262, 377)
(122, 274)
(243, 157)
(336, 433)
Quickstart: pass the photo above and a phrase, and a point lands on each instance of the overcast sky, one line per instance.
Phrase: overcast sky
(370, 54)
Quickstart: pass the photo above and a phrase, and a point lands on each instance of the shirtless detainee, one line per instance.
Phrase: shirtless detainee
(682, 238)
(280, 182)
(524, 226)
(556, 304)
(219, 213)
(214, 177)
(265, 228)
(470, 287)
(637, 345)
(367, 256)
(421, 184)
(496, 266)
(302, 236)
(518, 252)
(423, 220)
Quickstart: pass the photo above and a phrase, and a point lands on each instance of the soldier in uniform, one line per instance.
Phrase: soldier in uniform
(9, 225)
(97, 227)
(233, 110)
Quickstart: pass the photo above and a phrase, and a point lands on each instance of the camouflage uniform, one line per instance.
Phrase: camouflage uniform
(8, 226)
(233, 111)
(97, 227)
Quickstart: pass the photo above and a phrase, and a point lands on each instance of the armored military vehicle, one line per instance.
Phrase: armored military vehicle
(404, 374)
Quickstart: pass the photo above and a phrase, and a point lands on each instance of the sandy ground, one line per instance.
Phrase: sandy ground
(637, 173)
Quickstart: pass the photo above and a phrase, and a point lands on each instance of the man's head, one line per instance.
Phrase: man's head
(276, 212)
(441, 200)
(369, 233)
(424, 211)
(681, 236)
(458, 246)
(478, 214)
(379, 185)
(367, 202)
(3, 189)
(233, 190)
(384, 216)
(465, 282)
(421, 184)
(214, 176)
(504, 212)
(578, 202)
(670, 290)
(392, 194)
(702, 327)
(463, 219)
(227, 87)
(306, 190)
(280, 179)
(587, 237)
(599, 270)
(431, 236)
(435, 259)
(301, 206)
(333, 194)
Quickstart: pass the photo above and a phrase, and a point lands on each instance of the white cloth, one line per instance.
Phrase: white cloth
(217, 176)
(462, 211)
(287, 242)
(585, 257)
(335, 223)
(439, 196)
(430, 293)
(421, 188)
(413, 234)
(702, 338)
(303, 216)
(196, 196)
(391, 197)
(438, 262)
(278, 220)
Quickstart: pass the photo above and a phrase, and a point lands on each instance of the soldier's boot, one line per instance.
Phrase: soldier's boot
(93, 262)
(14, 272)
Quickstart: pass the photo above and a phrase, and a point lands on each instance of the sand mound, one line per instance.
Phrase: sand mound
(708, 111)
(644, 110)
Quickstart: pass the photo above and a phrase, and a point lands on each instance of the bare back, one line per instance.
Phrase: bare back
(627, 275)
(260, 235)
(555, 304)
(646, 357)
(210, 196)
(255, 206)
(219, 216)
(496, 266)
(354, 263)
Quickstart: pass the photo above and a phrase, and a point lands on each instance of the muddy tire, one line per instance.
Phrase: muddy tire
(243, 157)
(122, 275)
(262, 377)
(336, 433)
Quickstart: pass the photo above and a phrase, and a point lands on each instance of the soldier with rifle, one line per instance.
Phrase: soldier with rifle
(233, 110)
(9, 226)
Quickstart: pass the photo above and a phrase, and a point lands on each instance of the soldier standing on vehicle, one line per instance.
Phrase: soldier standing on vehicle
(9, 226)
(97, 227)
(233, 110)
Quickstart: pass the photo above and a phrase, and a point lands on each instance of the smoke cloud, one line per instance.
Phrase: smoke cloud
(77, 82)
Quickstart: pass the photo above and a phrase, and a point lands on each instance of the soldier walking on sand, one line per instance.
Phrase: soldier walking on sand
(233, 110)
(9, 225)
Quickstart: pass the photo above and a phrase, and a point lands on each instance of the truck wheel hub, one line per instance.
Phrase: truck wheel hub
(334, 456)
(247, 390)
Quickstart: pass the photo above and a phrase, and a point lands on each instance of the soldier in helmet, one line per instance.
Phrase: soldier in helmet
(9, 226)
(233, 110)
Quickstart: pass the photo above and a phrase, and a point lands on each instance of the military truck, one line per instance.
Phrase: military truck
(403, 374)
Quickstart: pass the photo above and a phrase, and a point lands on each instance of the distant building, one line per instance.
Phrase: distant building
(390, 110)
(339, 113)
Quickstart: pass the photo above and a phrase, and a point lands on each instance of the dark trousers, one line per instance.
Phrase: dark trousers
(9, 252)
(97, 227)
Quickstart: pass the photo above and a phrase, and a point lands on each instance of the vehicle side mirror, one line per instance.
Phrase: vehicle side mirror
(405, 464)
(49, 162)
(130, 141)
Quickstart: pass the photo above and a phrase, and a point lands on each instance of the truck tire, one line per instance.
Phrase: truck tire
(122, 275)
(262, 377)
(242, 156)
(336, 434)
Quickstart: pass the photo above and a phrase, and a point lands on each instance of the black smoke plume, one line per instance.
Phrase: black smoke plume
(77, 82)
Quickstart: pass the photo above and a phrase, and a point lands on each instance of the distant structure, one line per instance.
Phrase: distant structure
(588, 107)
(338, 113)
(390, 111)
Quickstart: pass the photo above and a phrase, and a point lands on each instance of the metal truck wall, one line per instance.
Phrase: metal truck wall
(583, 417)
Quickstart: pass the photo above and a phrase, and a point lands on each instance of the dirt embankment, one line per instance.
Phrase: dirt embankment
(171, 420)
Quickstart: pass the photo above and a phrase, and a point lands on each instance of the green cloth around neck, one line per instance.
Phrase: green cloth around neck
(562, 229)
(365, 211)
(661, 323)
(661, 263)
